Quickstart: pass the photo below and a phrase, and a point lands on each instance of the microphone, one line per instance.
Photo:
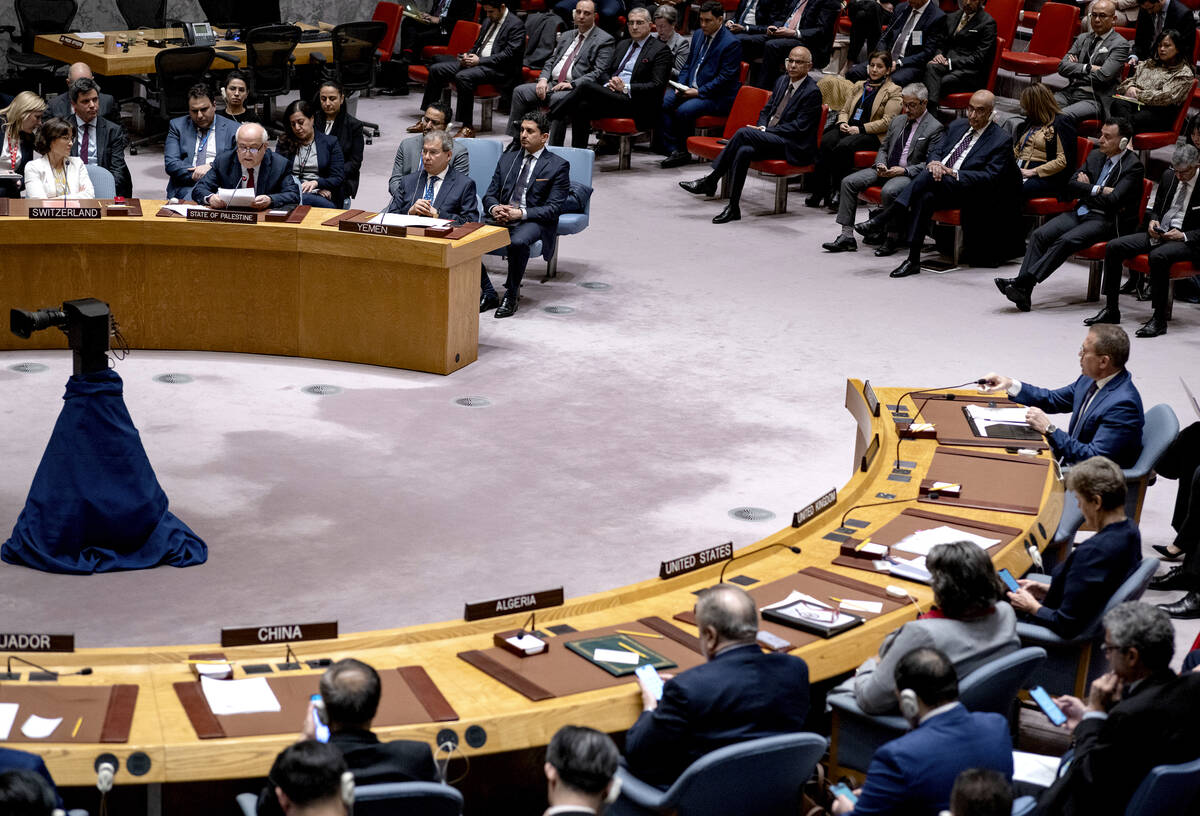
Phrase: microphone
(51, 675)
(721, 579)
(917, 410)
(291, 664)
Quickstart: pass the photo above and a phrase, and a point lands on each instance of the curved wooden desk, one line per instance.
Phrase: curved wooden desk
(509, 720)
(301, 290)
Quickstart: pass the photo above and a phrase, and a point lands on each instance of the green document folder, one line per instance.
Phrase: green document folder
(587, 647)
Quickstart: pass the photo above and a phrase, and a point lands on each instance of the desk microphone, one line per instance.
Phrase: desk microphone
(289, 664)
(53, 674)
(917, 410)
(725, 566)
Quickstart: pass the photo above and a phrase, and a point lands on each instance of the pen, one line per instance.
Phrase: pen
(865, 542)
(837, 601)
(78, 723)
(638, 634)
(635, 651)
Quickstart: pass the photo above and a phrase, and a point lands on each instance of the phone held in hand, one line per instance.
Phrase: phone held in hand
(320, 729)
(649, 675)
(1008, 580)
(841, 789)
(1048, 706)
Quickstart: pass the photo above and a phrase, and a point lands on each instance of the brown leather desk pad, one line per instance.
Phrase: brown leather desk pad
(911, 520)
(558, 671)
(1010, 483)
(106, 711)
(952, 428)
(409, 697)
(820, 584)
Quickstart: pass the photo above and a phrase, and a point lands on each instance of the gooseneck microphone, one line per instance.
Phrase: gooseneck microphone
(43, 669)
(917, 410)
(721, 579)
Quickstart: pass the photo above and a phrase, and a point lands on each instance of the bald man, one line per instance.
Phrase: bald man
(61, 106)
(250, 165)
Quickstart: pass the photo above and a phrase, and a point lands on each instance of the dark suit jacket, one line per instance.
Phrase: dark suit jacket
(455, 197)
(914, 774)
(14, 760)
(509, 47)
(741, 694)
(931, 24)
(1154, 724)
(766, 13)
(61, 107)
(1168, 187)
(272, 178)
(542, 28)
(924, 144)
(816, 27)
(1179, 17)
(590, 60)
(179, 152)
(458, 10)
(331, 167)
(1082, 584)
(349, 134)
(1121, 205)
(989, 158)
(717, 76)
(799, 121)
(111, 141)
(1112, 426)
(374, 762)
(648, 79)
(544, 196)
(972, 48)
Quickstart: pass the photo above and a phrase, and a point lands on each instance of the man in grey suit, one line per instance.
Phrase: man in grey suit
(901, 157)
(97, 140)
(580, 55)
(408, 154)
(1092, 67)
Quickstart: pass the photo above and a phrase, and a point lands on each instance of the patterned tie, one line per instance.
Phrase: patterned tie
(83, 143)
(962, 22)
(781, 107)
(794, 21)
(1177, 206)
(628, 56)
(565, 71)
(898, 148)
(429, 189)
(522, 181)
(749, 10)
(959, 149)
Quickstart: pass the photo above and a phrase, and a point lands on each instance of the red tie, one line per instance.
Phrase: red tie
(83, 145)
(250, 178)
(565, 72)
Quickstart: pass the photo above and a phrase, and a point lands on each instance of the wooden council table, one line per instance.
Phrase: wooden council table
(510, 720)
(299, 290)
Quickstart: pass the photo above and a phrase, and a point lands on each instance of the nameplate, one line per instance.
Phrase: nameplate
(64, 212)
(70, 42)
(35, 642)
(278, 633)
(869, 456)
(223, 216)
(811, 510)
(514, 603)
(373, 229)
(694, 561)
(869, 396)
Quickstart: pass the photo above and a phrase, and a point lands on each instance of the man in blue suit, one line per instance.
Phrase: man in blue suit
(801, 22)
(436, 190)
(250, 165)
(914, 36)
(915, 773)
(786, 129)
(711, 79)
(526, 195)
(739, 694)
(1106, 408)
(194, 141)
(13, 760)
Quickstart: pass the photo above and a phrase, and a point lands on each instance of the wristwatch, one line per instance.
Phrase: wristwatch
(1050, 429)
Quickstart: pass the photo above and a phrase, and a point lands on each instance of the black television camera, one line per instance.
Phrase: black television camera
(86, 322)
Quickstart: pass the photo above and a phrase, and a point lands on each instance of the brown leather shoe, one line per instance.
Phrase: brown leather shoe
(416, 127)
(464, 132)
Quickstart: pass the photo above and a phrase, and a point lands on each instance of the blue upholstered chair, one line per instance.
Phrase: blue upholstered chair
(762, 776)
(409, 798)
(1072, 663)
(1167, 790)
(1024, 805)
(485, 155)
(102, 180)
(992, 687)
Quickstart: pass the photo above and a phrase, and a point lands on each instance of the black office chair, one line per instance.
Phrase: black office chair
(176, 70)
(143, 13)
(240, 14)
(271, 64)
(36, 17)
(356, 58)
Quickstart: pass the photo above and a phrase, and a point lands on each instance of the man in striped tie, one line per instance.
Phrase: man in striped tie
(436, 190)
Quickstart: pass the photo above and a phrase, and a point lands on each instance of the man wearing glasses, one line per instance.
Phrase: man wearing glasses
(1092, 67)
(250, 165)
(408, 154)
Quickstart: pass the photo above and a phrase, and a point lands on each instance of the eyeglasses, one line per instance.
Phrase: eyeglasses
(251, 151)
(791, 61)
(1098, 15)
(1108, 647)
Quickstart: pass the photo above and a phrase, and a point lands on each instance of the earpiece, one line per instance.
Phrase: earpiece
(347, 789)
(909, 708)
(1124, 143)
(614, 791)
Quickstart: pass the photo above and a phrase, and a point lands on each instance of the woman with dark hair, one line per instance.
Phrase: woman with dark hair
(18, 124)
(1042, 144)
(334, 120)
(1150, 99)
(308, 778)
(237, 92)
(316, 157)
(57, 173)
(25, 793)
(967, 623)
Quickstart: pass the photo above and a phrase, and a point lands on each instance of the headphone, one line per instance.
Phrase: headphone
(614, 790)
(1124, 143)
(346, 789)
(910, 708)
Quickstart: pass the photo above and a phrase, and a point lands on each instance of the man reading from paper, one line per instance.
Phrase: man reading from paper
(249, 166)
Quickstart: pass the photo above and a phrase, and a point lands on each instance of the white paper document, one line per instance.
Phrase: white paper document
(88, 35)
(804, 607)
(40, 727)
(183, 209)
(679, 86)
(1006, 416)
(1036, 768)
(616, 656)
(401, 220)
(250, 696)
(922, 541)
(8, 715)
(851, 605)
(913, 570)
(237, 197)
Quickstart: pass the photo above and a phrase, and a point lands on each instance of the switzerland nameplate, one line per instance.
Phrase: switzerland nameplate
(514, 603)
(64, 212)
(278, 633)
(694, 561)
(223, 216)
(35, 642)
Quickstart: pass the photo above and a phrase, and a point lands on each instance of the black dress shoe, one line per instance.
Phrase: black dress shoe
(701, 186)
(890, 246)
(676, 159)
(1003, 283)
(875, 238)
(909, 267)
(730, 213)
(1143, 290)
(1019, 296)
(1105, 315)
(833, 202)
(1166, 554)
(1185, 608)
(815, 200)
(872, 226)
(1174, 578)
(488, 302)
(1152, 328)
(843, 243)
(508, 306)
(1130, 286)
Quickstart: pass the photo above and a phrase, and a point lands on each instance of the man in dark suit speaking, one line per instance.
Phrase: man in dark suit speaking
(1106, 408)
(437, 190)
(786, 129)
(250, 165)
(739, 694)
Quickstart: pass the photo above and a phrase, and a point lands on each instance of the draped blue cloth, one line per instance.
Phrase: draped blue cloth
(95, 504)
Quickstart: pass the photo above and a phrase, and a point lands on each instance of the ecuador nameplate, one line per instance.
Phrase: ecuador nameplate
(278, 633)
(810, 511)
(223, 216)
(35, 642)
(64, 212)
(696, 560)
(373, 229)
(526, 602)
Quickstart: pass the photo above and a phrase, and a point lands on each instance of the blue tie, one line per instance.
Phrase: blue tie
(1104, 171)
(429, 189)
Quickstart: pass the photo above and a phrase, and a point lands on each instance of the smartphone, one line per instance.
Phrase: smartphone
(649, 675)
(841, 789)
(320, 729)
(1008, 580)
(1047, 705)
(1159, 229)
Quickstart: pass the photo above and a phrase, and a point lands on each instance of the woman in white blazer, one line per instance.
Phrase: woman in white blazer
(56, 173)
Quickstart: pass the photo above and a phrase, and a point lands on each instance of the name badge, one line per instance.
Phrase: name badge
(858, 114)
(918, 37)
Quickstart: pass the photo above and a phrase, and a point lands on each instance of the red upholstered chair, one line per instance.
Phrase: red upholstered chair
(959, 101)
(530, 74)
(784, 172)
(626, 130)
(389, 13)
(1094, 255)
(863, 159)
(462, 39)
(1005, 13)
(746, 106)
(704, 124)
(487, 96)
(1043, 208)
(1145, 142)
(1183, 269)
(1050, 42)
(951, 218)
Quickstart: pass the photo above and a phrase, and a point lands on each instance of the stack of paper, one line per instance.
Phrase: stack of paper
(237, 197)
(802, 607)
(251, 696)
(922, 541)
(8, 715)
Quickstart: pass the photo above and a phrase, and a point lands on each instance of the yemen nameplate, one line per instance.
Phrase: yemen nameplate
(810, 511)
(373, 229)
(223, 216)
(694, 561)
(35, 642)
(279, 633)
(64, 212)
(514, 603)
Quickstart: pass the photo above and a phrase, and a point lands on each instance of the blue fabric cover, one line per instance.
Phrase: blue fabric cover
(95, 504)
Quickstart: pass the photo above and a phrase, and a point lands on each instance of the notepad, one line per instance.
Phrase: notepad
(8, 715)
(1035, 768)
(616, 656)
(250, 696)
(40, 727)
